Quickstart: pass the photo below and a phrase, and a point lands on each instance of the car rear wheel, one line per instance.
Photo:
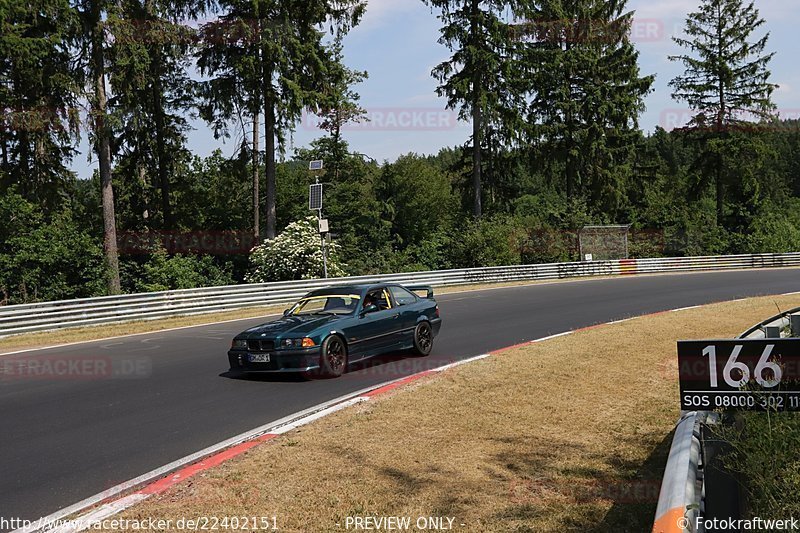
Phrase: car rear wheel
(423, 339)
(333, 358)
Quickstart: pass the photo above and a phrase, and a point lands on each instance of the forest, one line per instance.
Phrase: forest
(552, 91)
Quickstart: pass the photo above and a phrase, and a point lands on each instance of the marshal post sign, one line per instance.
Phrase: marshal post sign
(742, 374)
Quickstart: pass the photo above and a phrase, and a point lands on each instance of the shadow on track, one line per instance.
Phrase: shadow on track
(364, 366)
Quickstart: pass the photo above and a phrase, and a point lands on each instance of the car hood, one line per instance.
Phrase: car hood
(295, 325)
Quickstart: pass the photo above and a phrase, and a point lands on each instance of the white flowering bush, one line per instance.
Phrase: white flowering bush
(294, 254)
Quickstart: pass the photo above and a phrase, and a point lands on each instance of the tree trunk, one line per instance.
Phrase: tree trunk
(477, 209)
(570, 165)
(256, 222)
(161, 148)
(720, 192)
(38, 165)
(5, 153)
(477, 118)
(103, 147)
(720, 123)
(269, 154)
(163, 161)
(338, 155)
(25, 163)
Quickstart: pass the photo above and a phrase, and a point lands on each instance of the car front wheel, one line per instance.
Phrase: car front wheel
(423, 339)
(333, 359)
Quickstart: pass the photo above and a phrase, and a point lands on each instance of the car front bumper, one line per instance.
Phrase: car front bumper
(303, 360)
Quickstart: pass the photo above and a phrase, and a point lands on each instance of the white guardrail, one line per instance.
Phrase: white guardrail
(683, 490)
(25, 318)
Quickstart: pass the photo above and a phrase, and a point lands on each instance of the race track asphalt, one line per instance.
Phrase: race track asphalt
(67, 438)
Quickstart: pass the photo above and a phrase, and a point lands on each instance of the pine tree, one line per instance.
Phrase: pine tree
(479, 79)
(587, 93)
(286, 73)
(152, 94)
(39, 98)
(338, 104)
(229, 50)
(726, 79)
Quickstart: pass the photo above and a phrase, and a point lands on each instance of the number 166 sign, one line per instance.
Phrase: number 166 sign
(752, 374)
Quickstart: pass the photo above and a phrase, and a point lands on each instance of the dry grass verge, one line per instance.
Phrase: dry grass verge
(568, 434)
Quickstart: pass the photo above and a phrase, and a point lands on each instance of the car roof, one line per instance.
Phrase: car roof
(360, 288)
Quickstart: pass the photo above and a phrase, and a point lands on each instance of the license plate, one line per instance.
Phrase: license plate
(259, 358)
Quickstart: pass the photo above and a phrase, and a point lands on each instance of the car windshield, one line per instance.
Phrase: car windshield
(336, 304)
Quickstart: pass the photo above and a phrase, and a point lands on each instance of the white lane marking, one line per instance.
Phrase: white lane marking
(694, 307)
(557, 335)
(451, 300)
(111, 344)
(98, 515)
(320, 414)
(461, 362)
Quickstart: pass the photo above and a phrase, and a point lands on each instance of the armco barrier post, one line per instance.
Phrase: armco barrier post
(795, 321)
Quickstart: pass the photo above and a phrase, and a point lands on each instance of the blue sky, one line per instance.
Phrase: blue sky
(396, 44)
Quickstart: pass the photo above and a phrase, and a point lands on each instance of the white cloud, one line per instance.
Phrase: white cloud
(380, 12)
(665, 9)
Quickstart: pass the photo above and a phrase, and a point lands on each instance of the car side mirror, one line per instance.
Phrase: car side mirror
(371, 308)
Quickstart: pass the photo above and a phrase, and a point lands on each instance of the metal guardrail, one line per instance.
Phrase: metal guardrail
(760, 330)
(682, 488)
(679, 502)
(24, 318)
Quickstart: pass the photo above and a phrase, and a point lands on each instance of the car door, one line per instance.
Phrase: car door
(374, 332)
(404, 302)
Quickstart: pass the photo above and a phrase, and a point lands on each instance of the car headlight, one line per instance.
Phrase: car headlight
(239, 343)
(298, 343)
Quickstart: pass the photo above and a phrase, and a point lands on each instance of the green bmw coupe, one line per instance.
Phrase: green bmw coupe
(328, 329)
